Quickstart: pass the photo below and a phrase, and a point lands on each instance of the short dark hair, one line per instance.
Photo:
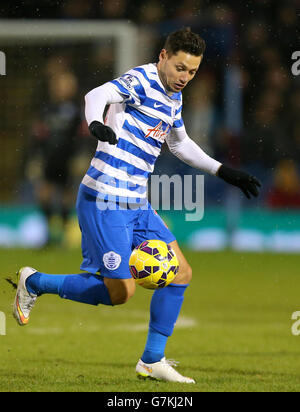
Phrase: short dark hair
(185, 40)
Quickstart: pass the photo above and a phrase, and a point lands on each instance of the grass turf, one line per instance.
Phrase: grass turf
(234, 331)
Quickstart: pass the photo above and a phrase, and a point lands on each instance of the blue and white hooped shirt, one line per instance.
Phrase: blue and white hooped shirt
(142, 122)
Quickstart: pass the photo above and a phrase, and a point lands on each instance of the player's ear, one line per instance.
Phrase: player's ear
(163, 55)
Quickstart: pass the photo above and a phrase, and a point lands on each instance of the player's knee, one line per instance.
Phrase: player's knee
(121, 292)
(188, 274)
(185, 275)
(123, 296)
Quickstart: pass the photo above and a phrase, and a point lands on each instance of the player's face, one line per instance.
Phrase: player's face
(177, 70)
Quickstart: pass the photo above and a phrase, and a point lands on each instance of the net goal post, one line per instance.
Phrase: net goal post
(131, 42)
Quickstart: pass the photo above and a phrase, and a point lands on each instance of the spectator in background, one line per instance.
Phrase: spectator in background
(277, 78)
(112, 9)
(189, 10)
(254, 41)
(287, 26)
(285, 191)
(52, 145)
(201, 112)
(263, 141)
(292, 116)
(76, 9)
(102, 62)
(151, 12)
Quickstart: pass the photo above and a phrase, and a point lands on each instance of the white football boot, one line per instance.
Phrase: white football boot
(24, 300)
(162, 370)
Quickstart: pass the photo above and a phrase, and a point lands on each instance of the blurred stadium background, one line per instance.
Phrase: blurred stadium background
(243, 109)
(234, 333)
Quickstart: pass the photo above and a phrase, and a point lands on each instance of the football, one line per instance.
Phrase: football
(153, 264)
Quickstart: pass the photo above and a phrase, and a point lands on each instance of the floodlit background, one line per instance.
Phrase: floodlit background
(242, 108)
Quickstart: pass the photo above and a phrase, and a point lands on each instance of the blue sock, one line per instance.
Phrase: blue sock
(84, 287)
(164, 311)
(155, 346)
(40, 283)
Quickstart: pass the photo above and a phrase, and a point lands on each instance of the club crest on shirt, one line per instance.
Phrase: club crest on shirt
(111, 260)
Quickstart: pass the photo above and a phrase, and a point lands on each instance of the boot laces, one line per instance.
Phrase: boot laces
(29, 301)
(171, 362)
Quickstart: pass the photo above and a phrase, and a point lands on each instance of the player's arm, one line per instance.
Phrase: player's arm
(183, 147)
(95, 102)
(124, 89)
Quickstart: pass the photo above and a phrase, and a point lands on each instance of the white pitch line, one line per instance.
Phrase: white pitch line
(183, 322)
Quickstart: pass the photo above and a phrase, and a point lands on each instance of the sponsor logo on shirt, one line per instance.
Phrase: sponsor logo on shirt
(157, 132)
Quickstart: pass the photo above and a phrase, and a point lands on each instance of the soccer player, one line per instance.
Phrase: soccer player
(114, 215)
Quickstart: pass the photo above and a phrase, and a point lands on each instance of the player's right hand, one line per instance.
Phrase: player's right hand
(102, 132)
(247, 183)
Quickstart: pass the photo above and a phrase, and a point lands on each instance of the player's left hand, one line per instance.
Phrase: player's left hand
(102, 132)
(247, 183)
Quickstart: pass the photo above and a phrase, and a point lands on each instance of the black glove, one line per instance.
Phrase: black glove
(247, 183)
(102, 132)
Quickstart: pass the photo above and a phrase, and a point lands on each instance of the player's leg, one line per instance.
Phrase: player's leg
(184, 275)
(104, 251)
(83, 287)
(165, 306)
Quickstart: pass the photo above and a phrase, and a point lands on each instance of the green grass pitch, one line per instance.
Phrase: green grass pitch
(233, 334)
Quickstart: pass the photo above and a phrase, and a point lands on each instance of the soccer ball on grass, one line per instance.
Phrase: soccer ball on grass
(153, 264)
